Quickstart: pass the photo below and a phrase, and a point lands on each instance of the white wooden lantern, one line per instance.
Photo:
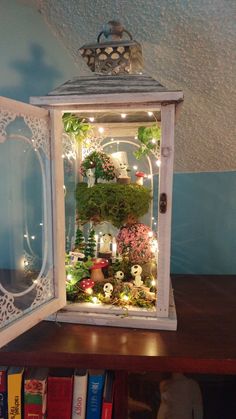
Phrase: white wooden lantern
(106, 99)
(32, 265)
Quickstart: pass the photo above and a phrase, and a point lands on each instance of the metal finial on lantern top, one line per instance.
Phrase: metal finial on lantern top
(115, 55)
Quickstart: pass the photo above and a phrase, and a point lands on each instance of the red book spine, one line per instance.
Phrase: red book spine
(60, 391)
(33, 411)
(3, 392)
(106, 410)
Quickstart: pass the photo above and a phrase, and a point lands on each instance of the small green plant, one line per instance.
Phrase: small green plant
(75, 273)
(150, 139)
(112, 202)
(76, 126)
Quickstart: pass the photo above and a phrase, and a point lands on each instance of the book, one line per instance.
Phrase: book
(79, 394)
(94, 394)
(3, 392)
(14, 392)
(60, 392)
(108, 392)
(35, 392)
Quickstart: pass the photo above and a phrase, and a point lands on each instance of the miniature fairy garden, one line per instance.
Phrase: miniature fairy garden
(113, 257)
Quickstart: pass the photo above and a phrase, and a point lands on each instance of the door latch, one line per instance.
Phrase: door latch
(163, 203)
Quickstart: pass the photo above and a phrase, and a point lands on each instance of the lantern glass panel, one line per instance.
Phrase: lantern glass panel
(25, 219)
(111, 194)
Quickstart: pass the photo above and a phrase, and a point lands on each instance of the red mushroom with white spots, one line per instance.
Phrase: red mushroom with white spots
(96, 269)
(139, 178)
(87, 285)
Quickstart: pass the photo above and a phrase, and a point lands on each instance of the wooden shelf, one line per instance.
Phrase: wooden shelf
(205, 341)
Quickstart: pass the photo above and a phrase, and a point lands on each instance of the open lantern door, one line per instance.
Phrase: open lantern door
(110, 212)
(32, 279)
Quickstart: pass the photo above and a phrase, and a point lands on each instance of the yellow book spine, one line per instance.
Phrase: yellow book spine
(15, 395)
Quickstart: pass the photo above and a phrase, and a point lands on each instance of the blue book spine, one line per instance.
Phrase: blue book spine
(95, 393)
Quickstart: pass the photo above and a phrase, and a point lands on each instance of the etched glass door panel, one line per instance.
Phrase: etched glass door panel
(26, 234)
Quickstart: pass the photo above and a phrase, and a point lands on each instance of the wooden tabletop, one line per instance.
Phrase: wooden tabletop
(205, 341)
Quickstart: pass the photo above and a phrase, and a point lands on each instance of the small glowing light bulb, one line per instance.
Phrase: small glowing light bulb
(158, 163)
(95, 300)
(41, 224)
(149, 176)
(123, 115)
(33, 237)
(69, 277)
(92, 119)
(154, 141)
(135, 167)
(25, 236)
(150, 234)
(125, 298)
(150, 113)
(26, 263)
(112, 139)
(136, 137)
(101, 130)
(63, 156)
(153, 283)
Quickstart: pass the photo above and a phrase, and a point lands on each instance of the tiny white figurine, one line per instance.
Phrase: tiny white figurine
(122, 170)
(136, 271)
(91, 178)
(119, 275)
(108, 288)
(106, 243)
(181, 398)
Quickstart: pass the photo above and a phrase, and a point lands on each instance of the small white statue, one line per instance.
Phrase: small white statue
(180, 398)
(136, 271)
(108, 288)
(122, 170)
(106, 243)
(91, 178)
(119, 275)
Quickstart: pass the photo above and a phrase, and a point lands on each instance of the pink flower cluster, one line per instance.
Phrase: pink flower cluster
(107, 165)
(135, 241)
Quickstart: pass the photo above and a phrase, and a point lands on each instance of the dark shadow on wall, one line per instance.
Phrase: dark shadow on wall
(37, 77)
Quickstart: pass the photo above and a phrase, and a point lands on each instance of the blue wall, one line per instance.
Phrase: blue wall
(32, 62)
(204, 223)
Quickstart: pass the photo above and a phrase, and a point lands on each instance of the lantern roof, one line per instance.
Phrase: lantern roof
(104, 89)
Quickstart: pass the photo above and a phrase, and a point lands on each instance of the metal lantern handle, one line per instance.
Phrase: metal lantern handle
(113, 28)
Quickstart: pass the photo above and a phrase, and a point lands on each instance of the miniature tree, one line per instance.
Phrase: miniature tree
(102, 165)
(79, 240)
(90, 247)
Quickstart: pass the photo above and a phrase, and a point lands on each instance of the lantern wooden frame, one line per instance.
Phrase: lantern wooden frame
(121, 93)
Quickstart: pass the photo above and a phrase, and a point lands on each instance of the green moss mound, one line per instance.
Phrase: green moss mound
(112, 202)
